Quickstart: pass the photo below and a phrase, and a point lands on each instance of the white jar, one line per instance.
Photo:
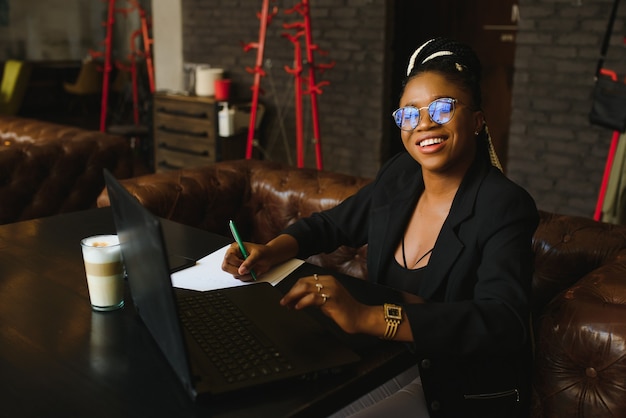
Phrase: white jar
(205, 80)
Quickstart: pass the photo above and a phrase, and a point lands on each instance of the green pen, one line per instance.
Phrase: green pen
(233, 229)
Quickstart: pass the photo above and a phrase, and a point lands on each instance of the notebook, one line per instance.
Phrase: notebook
(285, 344)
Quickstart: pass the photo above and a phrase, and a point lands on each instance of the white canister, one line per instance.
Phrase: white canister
(205, 80)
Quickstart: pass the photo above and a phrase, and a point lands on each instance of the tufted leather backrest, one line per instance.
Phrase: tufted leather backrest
(261, 197)
(47, 168)
(280, 195)
(204, 197)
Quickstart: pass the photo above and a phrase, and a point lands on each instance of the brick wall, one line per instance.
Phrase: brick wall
(554, 152)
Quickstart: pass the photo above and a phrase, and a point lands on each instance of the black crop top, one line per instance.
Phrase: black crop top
(405, 279)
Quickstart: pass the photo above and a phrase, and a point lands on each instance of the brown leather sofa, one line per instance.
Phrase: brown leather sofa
(47, 168)
(579, 286)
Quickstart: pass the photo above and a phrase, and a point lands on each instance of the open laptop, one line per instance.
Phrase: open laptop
(286, 344)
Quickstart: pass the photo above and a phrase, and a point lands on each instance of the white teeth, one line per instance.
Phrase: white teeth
(431, 141)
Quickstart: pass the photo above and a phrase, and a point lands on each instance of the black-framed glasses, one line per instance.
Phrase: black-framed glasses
(440, 111)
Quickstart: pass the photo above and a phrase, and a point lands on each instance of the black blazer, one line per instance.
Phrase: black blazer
(472, 338)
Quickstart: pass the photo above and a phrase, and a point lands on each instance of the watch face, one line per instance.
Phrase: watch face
(394, 312)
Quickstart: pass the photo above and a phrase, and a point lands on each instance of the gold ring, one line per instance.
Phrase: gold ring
(316, 277)
(319, 287)
(325, 296)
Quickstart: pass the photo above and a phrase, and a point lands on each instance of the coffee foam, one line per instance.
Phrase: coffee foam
(101, 249)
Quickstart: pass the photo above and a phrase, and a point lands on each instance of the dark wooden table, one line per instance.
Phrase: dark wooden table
(60, 358)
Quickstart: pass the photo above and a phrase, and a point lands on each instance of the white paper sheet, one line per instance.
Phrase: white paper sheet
(207, 274)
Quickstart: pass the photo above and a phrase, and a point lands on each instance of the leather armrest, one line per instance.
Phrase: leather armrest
(580, 362)
(567, 248)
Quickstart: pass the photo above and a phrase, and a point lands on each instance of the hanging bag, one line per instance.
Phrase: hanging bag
(609, 104)
(609, 94)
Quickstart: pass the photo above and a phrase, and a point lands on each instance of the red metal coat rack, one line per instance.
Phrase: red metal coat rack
(313, 89)
(146, 54)
(303, 29)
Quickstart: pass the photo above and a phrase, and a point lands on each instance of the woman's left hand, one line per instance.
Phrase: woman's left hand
(331, 297)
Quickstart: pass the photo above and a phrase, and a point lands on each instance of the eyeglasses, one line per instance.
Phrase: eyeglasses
(440, 111)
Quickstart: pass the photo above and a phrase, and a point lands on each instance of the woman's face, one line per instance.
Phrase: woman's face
(446, 149)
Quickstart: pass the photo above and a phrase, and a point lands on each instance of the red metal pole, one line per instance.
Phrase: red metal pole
(253, 109)
(609, 160)
(298, 108)
(107, 65)
(258, 72)
(312, 87)
(607, 173)
(147, 46)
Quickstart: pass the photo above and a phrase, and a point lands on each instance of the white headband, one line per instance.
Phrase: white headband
(416, 53)
(412, 60)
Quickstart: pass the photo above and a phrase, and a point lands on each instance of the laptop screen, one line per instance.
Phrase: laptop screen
(146, 261)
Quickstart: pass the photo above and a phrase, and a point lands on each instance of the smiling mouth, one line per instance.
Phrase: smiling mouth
(431, 141)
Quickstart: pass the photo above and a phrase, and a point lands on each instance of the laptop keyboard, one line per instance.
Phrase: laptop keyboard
(230, 340)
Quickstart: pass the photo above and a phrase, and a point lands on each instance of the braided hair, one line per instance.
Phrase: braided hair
(459, 64)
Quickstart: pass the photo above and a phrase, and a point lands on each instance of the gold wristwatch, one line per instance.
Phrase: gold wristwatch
(393, 317)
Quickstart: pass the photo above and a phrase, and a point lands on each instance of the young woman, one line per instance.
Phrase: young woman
(443, 223)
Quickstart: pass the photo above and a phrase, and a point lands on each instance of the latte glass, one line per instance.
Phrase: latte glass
(105, 271)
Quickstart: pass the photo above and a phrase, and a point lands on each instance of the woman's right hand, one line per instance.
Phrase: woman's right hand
(261, 258)
(240, 268)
